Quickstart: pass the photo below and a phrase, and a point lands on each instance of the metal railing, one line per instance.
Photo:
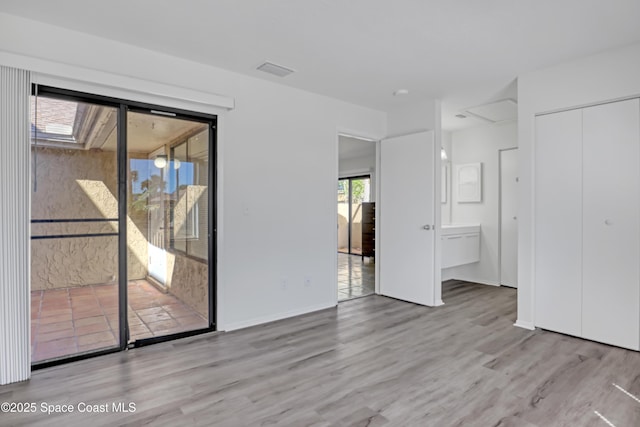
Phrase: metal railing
(71, 220)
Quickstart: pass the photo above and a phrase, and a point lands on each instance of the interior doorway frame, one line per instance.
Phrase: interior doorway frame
(500, 151)
(123, 107)
(376, 181)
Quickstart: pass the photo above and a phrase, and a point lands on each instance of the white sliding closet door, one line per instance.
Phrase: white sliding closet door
(558, 218)
(611, 199)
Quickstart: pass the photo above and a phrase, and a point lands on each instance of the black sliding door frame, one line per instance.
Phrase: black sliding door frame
(123, 249)
(124, 107)
(350, 180)
(211, 121)
(348, 214)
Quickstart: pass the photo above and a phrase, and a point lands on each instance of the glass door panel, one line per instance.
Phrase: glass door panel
(74, 228)
(352, 192)
(360, 192)
(167, 225)
(343, 215)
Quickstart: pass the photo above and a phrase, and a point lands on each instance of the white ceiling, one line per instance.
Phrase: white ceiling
(147, 132)
(465, 52)
(353, 148)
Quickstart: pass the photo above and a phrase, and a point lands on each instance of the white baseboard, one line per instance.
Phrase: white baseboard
(446, 274)
(273, 317)
(524, 325)
(482, 282)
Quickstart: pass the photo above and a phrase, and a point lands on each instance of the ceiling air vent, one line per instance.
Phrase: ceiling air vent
(275, 69)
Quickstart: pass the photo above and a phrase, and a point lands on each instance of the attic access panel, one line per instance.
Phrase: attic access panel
(497, 111)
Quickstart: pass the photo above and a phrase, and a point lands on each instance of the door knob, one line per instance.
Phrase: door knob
(607, 222)
(427, 227)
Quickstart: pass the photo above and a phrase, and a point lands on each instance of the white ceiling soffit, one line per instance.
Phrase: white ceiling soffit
(503, 110)
(354, 148)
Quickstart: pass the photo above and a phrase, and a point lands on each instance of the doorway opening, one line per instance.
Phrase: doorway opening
(508, 231)
(479, 233)
(356, 218)
(121, 213)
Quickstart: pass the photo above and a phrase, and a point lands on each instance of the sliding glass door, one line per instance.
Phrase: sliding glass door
(344, 216)
(352, 192)
(74, 228)
(122, 218)
(168, 225)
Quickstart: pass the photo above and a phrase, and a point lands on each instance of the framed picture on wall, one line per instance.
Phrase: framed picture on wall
(469, 180)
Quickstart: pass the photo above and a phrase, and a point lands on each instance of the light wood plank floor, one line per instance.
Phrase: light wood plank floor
(372, 361)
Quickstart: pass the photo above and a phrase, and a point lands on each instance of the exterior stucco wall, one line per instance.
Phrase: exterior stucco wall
(79, 184)
(188, 280)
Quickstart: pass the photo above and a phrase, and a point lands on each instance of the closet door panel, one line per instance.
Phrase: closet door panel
(558, 227)
(611, 220)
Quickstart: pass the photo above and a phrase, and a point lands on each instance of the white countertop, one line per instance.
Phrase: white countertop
(448, 229)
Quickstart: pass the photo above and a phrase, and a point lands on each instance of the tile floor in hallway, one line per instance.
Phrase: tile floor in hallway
(356, 278)
(75, 320)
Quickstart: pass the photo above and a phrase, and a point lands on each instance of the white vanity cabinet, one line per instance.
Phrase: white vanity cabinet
(587, 223)
(460, 244)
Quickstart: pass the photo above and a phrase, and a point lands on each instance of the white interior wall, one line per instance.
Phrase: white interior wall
(473, 145)
(412, 116)
(277, 166)
(609, 75)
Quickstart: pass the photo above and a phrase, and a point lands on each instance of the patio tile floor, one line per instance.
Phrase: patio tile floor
(75, 320)
(356, 277)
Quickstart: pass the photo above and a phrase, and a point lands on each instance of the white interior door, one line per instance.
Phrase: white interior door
(558, 222)
(509, 217)
(611, 231)
(407, 218)
(157, 232)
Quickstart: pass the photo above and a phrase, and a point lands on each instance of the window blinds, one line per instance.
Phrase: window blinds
(15, 358)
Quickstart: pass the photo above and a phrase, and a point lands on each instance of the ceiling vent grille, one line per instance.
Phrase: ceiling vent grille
(275, 69)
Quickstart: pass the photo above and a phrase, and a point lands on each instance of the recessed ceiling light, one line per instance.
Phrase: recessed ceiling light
(275, 69)
(401, 92)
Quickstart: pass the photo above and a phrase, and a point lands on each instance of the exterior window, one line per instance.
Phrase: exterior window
(70, 124)
(189, 203)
